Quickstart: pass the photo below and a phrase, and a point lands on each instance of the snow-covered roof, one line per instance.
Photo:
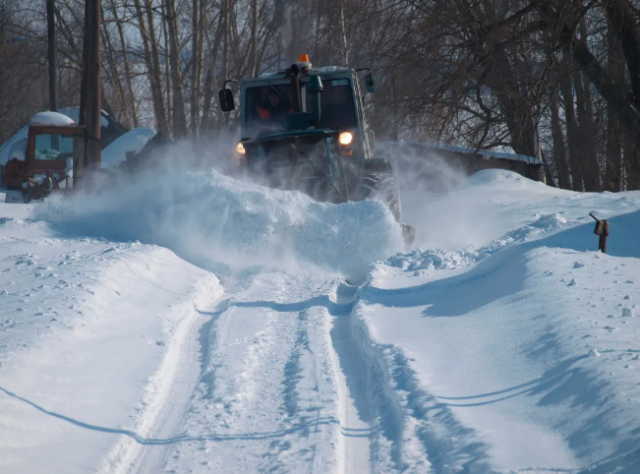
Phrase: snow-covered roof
(132, 141)
(313, 70)
(326, 69)
(55, 119)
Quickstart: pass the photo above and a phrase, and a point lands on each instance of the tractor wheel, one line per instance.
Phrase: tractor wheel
(383, 187)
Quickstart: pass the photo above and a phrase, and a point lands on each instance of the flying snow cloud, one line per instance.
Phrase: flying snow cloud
(223, 224)
(434, 201)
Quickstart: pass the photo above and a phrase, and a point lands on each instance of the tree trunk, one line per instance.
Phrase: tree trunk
(631, 162)
(179, 115)
(613, 163)
(559, 149)
(114, 74)
(166, 91)
(152, 63)
(127, 67)
(573, 135)
(618, 98)
(52, 54)
(225, 46)
(343, 28)
(586, 136)
(210, 81)
(253, 62)
(197, 45)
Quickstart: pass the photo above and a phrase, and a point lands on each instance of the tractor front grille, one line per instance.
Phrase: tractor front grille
(295, 164)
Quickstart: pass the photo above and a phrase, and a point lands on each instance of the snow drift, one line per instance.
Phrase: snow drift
(221, 224)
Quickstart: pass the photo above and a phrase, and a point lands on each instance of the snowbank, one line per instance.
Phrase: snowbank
(91, 332)
(517, 350)
(212, 220)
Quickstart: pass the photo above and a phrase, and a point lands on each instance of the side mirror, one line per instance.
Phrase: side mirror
(226, 100)
(370, 82)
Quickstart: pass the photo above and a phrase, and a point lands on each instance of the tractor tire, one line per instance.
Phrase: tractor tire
(383, 187)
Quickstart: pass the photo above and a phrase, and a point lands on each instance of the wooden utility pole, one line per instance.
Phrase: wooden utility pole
(87, 142)
(53, 58)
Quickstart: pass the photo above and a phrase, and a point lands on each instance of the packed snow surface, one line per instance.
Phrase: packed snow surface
(195, 323)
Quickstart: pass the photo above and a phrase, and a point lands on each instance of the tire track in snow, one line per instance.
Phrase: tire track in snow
(388, 395)
(450, 447)
(369, 408)
(409, 429)
(240, 396)
(293, 369)
(270, 366)
(308, 418)
(301, 412)
(207, 344)
(313, 393)
(168, 392)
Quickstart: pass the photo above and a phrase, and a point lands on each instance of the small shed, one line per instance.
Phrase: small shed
(111, 130)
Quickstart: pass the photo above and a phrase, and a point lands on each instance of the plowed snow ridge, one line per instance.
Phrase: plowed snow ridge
(215, 221)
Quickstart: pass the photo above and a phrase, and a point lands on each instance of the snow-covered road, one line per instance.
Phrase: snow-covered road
(258, 331)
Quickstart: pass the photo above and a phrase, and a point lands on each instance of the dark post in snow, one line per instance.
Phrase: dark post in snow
(602, 231)
(87, 140)
(53, 59)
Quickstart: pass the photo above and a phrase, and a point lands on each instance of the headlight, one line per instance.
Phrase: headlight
(345, 138)
(240, 149)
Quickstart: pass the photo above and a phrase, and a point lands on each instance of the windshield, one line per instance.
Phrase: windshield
(338, 108)
(53, 147)
(267, 106)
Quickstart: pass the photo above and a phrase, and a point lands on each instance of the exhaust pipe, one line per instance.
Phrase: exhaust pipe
(315, 89)
(299, 120)
(296, 98)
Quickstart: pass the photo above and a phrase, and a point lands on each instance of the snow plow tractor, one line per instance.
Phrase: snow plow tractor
(38, 164)
(304, 129)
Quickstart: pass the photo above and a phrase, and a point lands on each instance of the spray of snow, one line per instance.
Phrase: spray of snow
(224, 224)
(432, 201)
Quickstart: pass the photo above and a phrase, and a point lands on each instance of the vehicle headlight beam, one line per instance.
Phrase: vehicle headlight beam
(345, 138)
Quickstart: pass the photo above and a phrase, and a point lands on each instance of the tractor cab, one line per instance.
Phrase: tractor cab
(267, 99)
(41, 164)
(304, 128)
(301, 126)
(266, 103)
